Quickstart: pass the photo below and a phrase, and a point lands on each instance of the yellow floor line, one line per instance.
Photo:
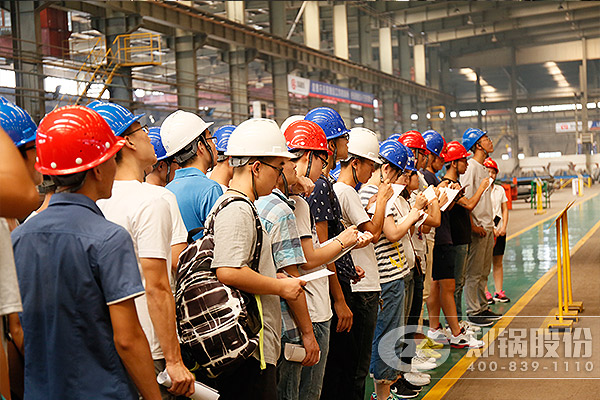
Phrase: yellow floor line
(514, 235)
(452, 376)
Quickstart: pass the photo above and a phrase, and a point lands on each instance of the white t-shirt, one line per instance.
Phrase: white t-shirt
(179, 232)
(145, 214)
(10, 296)
(319, 303)
(353, 213)
(498, 198)
(482, 214)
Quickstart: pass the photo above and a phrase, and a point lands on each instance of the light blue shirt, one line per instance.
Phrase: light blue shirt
(196, 194)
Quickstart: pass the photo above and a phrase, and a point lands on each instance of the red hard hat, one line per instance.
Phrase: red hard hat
(74, 139)
(306, 135)
(455, 151)
(490, 164)
(414, 140)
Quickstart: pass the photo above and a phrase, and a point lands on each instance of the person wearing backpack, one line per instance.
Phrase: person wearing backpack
(188, 140)
(307, 141)
(258, 154)
(144, 212)
(363, 152)
(78, 273)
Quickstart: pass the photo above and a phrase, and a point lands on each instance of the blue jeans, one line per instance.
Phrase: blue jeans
(297, 382)
(389, 318)
(312, 377)
(460, 260)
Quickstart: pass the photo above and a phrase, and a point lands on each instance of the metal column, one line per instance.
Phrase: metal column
(405, 65)
(366, 58)
(29, 70)
(514, 122)
(421, 78)
(279, 68)
(478, 96)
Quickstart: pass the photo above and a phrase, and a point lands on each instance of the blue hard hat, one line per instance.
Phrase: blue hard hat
(434, 141)
(17, 123)
(395, 136)
(222, 134)
(471, 136)
(118, 117)
(411, 161)
(394, 152)
(335, 173)
(329, 120)
(159, 149)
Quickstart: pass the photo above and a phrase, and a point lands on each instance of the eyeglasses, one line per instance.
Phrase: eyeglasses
(213, 138)
(346, 136)
(141, 128)
(324, 160)
(279, 170)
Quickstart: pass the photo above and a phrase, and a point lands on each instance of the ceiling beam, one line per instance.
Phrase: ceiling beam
(557, 52)
(517, 18)
(437, 11)
(229, 32)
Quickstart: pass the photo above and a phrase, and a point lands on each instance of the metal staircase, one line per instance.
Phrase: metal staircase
(100, 66)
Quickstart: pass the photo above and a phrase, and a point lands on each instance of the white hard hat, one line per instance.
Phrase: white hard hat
(179, 129)
(288, 121)
(363, 143)
(257, 137)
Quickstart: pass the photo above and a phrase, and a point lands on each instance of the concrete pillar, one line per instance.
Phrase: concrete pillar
(435, 82)
(514, 122)
(121, 87)
(312, 26)
(366, 58)
(389, 123)
(478, 97)
(405, 65)
(185, 65)
(420, 64)
(238, 68)
(29, 73)
(340, 49)
(235, 11)
(279, 68)
(386, 61)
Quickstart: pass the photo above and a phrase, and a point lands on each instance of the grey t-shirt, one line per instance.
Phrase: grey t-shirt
(235, 239)
(10, 297)
(482, 214)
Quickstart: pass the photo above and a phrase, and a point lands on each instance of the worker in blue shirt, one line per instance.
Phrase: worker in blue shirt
(78, 273)
(186, 137)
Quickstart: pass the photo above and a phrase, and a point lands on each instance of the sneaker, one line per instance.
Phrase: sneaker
(429, 344)
(501, 297)
(399, 390)
(489, 298)
(409, 385)
(438, 334)
(428, 353)
(469, 326)
(423, 363)
(463, 339)
(417, 378)
(480, 320)
(490, 314)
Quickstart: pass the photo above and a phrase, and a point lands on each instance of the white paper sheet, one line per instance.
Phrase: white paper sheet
(451, 194)
(429, 193)
(322, 273)
(390, 203)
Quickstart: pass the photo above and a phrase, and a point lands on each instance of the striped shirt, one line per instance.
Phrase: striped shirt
(391, 259)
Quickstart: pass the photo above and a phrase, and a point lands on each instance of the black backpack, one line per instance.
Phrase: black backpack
(218, 325)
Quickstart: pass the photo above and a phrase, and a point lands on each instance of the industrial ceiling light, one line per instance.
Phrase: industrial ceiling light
(494, 38)
(483, 30)
(456, 10)
(560, 6)
(469, 20)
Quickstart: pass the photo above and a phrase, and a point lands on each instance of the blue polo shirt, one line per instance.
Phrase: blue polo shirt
(72, 264)
(196, 194)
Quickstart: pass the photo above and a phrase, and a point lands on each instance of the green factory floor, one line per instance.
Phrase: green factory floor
(530, 255)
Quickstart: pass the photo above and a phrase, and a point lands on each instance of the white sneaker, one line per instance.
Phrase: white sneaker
(469, 326)
(417, 378)
(464, 339)
(422, 363)
(438, 335)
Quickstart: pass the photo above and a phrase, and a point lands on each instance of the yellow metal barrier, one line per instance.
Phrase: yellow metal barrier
(568, 310)
(539, 197)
